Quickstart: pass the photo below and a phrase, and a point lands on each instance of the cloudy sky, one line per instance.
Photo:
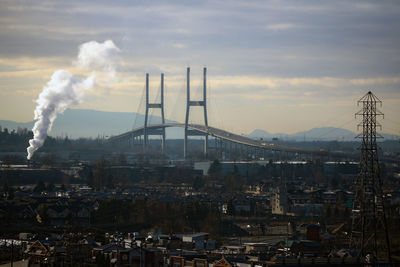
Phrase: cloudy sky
(281, 66)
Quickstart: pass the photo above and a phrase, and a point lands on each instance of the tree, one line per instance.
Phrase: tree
(43, 216)
(230, 209)
(336, 211)
(50, 187)
(328, 211)
(66, 141)
(13, 159)
(40, 187)
(49, 159)
(8, 191)
(110, 183)
(211, 223)
(90, 179)
(215, 169)
(107, 260)
(100, 260)
(230, 183)
(100, 173)
(122, 159)
(198, 182)
(234, 182)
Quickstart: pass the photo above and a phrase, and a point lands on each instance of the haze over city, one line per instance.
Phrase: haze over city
(280, 66)
(200, 133)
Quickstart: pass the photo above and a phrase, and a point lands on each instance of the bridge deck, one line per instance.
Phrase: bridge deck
(212, 131)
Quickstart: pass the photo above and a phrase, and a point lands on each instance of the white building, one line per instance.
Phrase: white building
(279, 202)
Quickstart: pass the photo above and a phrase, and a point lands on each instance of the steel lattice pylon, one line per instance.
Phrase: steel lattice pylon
(369, 228)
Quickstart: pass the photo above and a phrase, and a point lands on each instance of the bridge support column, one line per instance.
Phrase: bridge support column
(226, 150)
(205, 110)
(230, 151)
(146, 118)
(190, 103)
(221, 148)
(185, 141)
(162, 114)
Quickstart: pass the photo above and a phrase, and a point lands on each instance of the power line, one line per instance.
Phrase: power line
(335, 129)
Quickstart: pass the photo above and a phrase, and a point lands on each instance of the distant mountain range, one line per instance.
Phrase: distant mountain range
(315, 134)
(76, 123)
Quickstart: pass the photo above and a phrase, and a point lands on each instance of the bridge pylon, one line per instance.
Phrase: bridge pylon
(190, 103)
(149, 105)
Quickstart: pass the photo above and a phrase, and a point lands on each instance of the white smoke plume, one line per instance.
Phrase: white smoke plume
(64, 89)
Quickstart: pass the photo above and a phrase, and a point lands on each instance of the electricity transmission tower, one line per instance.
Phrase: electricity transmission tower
(369, 227)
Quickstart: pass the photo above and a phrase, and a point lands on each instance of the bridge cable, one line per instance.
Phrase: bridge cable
(336, 128)
(173, 111)
(389, 119)
(157, 99)
(353, 120)
(139, 109)
(212, 100)
(334, 119)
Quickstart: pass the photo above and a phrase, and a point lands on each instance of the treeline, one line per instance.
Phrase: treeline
(167, 217)
(8, 191)
(18, 141)
(103, 176)
(14, 140)
(116, 174)
(310, 172)
(270, 174)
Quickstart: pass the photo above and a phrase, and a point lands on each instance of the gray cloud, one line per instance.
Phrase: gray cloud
(323, 38)
(283, 39)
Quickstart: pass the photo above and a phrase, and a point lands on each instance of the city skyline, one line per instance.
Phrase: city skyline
(289, 65)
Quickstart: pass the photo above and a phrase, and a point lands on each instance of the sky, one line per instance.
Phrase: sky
(281, 66)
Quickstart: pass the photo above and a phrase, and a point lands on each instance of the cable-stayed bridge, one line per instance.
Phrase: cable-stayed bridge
(223, 140)
(157, 129)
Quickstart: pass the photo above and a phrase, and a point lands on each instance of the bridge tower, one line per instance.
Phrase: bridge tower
(189, 103)
(149, 105)
(369, 228)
